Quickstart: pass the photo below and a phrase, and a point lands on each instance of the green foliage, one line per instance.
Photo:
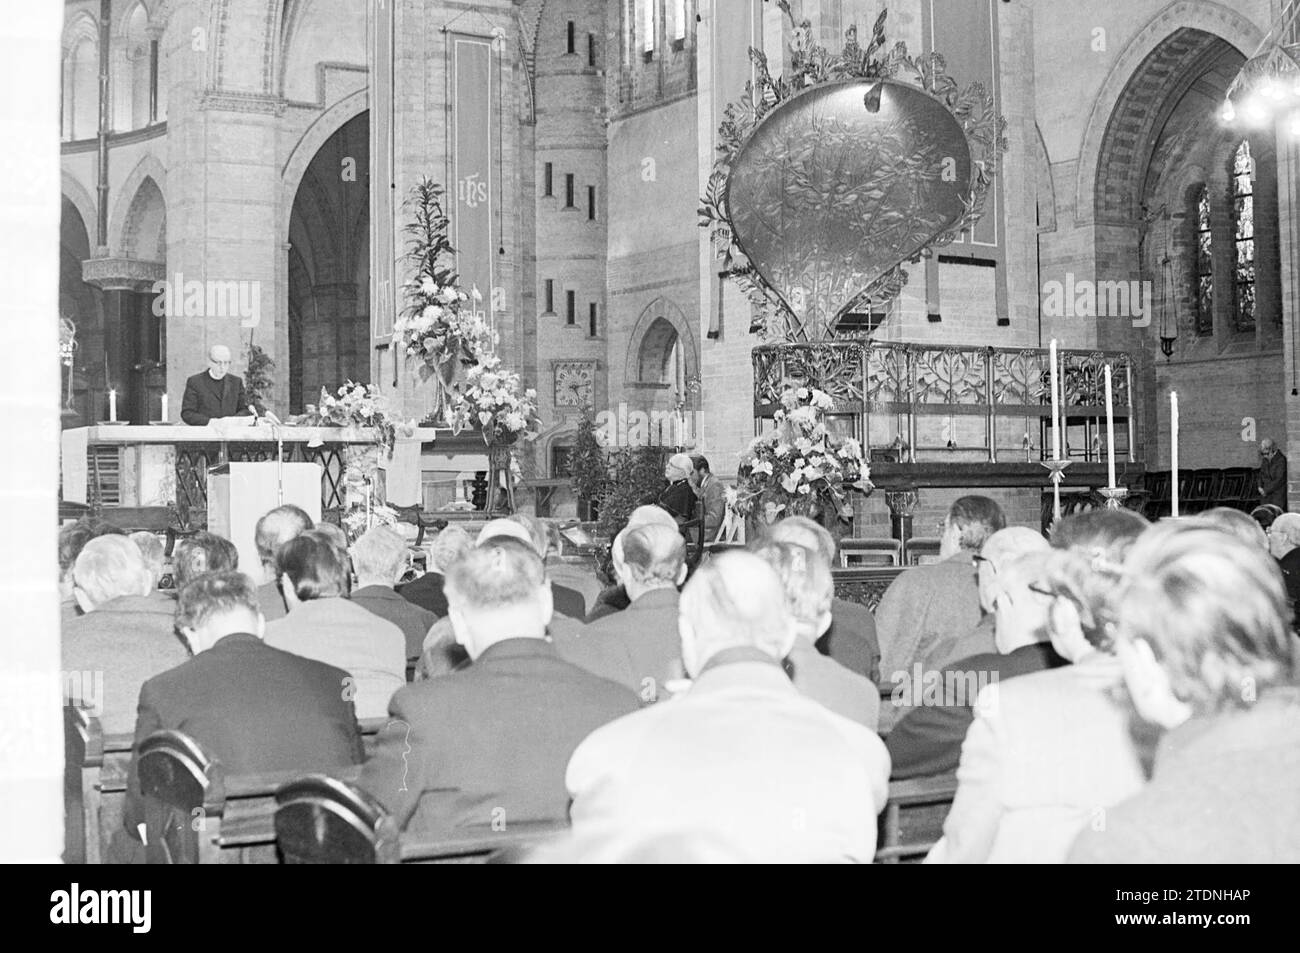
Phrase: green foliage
(587, 464)
(258, 379)
(428, 246)
(636, 476)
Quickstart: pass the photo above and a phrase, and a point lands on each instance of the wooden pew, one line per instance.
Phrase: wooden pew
(913, 818)
(96, 766)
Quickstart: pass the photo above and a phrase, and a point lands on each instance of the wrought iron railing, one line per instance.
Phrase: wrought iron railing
(909, 397)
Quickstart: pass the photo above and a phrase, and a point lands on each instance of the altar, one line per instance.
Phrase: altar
(167, 465)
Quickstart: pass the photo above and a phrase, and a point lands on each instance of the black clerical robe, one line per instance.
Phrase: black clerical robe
(205, 398)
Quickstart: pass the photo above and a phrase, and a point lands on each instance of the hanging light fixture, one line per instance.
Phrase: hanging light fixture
(1168, 299)
(1267, 87)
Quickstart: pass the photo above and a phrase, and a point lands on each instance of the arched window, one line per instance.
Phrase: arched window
(1243, 230)
(81, 90)
(138, 70)
(1203, 299)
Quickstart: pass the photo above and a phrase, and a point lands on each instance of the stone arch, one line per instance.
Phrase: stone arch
(316, 135)
(149, 168)
(82, 201)
(1142, 77)
(144, 232)
(650, 332)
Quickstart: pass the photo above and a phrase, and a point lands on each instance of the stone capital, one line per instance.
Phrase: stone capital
(122, 274)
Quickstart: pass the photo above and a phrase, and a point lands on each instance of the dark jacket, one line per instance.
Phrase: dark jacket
(679, 500)
(205, 398)
(1272, 480)
(611, 600)
(489, 744)
(928, 738)
(414, 621)
(426, 592)
(638, 647)
(253, 708)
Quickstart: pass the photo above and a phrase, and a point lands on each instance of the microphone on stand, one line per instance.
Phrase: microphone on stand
(275, 424)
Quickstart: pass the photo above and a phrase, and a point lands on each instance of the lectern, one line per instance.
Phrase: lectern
(239, 494)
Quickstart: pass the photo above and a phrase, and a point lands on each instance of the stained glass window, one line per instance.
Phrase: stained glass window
(1243, 223)
(1204, 296)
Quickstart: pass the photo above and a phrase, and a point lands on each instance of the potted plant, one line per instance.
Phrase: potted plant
(589, 468)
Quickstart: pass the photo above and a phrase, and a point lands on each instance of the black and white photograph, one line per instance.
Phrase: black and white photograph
(535, 432)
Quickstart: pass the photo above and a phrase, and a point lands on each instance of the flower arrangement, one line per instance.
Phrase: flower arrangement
(356, 405)
(798, 468)
(436, 327)
(360, 518)
(494, 400)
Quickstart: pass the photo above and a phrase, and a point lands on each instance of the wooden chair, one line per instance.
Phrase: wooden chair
(179, 783)
(920, 550)
(870, 552)
(1235, 490)
(95, 771)
(321, 820)
(913, 818)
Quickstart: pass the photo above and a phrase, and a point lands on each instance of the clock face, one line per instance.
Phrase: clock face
(574, 384)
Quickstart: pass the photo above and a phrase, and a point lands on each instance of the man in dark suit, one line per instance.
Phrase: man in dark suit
(678, 498)
(214, 392)
(249, 706)
(273, 530)
(427, 592)
(487, 746)
(640, 646)
(1272, 475)
(379, 559)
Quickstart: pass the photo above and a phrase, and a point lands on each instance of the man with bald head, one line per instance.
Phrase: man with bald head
(999, 551)
(742, 757)
(614, 599)
(215, 392)
(273, 530)
(638, 647)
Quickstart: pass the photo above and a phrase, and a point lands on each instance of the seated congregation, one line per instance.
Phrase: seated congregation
(1118, 692)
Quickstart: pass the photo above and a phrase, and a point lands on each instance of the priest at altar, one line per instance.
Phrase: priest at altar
(215, 392)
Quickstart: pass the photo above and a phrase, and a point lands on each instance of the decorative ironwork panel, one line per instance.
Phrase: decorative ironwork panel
(330, 458)
(1084, 379)
(951, 375)
(888, 374)
(769, 372)
(866, 587)
(1021, 377)
(835, 368)
(192, 464)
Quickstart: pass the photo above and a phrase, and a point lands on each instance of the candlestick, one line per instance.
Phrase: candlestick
(1173, 451)
(164, 417)
(1056, 473)
(1110, 434)
(1056, 410)
(112, 406)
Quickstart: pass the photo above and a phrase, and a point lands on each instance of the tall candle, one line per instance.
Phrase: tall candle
(1173, 450)
(1056, 409)
(1110, 433)
(112, 405)
(164, 408)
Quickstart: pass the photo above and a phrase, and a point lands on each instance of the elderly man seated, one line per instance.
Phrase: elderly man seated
(928, 603)
(805, 578)
(273, 530)
(615, 599)
(742, 757)
(939, 705)
(127, 634)
(379, 559)
(72, 539)
(442, 652)
(640, 646)
(486, 746)
(323, 624)
(1284, 544)
(1001, 549)
(249, 706)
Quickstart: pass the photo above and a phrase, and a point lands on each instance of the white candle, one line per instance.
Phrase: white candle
(1110, 433)
(164, 408)
(112, 405)
(1056, 410)
(1173, 450)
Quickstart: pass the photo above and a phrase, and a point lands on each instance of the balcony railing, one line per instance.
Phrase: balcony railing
(911, 402)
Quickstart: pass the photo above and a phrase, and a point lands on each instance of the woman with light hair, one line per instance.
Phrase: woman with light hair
(1202, 630)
